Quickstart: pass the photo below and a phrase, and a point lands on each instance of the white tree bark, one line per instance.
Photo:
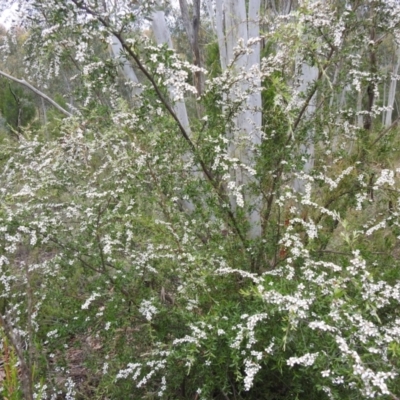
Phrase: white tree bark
(186, 19)
(220, 26)
(254, 113)
(162, 36)
(234, 28)
(309, 75)
(126, 67)
(236, 25)
(210, 10)
(253, 62)
(360, 117)
(45, 119)
(392, 91)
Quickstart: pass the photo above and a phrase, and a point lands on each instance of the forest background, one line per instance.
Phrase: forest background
(200, 200)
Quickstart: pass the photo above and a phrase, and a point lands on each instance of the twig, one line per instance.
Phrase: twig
(385, 131)
(313, 90)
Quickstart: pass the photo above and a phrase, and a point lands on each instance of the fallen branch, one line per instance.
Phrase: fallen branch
(38, 92)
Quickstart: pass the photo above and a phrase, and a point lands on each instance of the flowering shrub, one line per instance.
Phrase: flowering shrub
(242, 249)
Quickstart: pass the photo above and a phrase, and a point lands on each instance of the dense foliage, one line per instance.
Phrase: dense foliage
(224, 228)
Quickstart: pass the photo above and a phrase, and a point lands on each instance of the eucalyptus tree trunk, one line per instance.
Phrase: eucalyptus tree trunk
(220, 27)
(392, 91)
(192, 27)
(255, 105)
(126, 66)
(360, 116)
(235, 26)
(44, 111)
(210, 10)
(309, 75)
(162, 36)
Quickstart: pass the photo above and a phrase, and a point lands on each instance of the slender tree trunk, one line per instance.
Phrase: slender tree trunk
(192, 27)
(220, 25)
(126, 67)
(255, 108)
(392, 91)
(373, 69)
(45, 119)
(162, 36)
(210, 10)
(309, 75)
(234, 28)
(384, 113)
(360, 116)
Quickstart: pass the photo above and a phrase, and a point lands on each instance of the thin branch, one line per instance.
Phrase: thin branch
(385, 131)
(313, 90)
(37, 91)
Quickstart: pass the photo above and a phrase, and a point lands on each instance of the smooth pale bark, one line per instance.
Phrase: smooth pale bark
(254, 105)
(384, 112)
(160, 29)
(162, 36)
(360, 117)
(229, 36)
(254, 30)
(342, 100)
(392, 91)
(44, 111)
(253, 61)
(211, 14)
(220, 25)
(234, 28)
(200, 79)
(334, 81)
(126, 66)
(341, 104)
(186, 19)
(309, 75)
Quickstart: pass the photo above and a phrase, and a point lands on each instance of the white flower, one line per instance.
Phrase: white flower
(105, 368)
(86, 305)
(306, 360)
(251, 369)
(147, 309)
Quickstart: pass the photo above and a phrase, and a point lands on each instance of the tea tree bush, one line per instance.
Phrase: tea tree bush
(241, 248)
